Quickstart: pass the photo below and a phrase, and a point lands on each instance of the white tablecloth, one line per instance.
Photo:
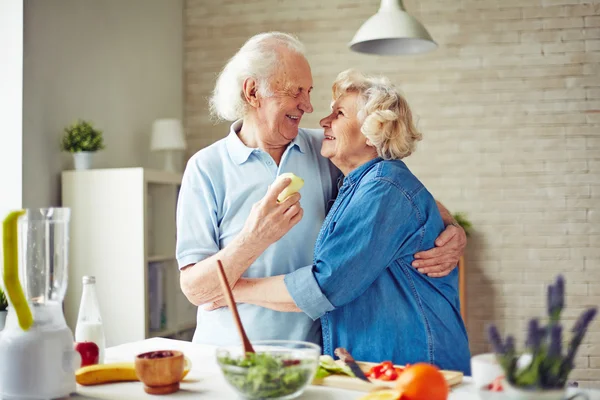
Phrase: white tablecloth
(205, 380)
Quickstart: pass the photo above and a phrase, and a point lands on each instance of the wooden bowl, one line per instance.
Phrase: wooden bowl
(160, 371)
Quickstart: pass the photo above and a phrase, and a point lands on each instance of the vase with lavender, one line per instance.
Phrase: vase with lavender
(542, 369)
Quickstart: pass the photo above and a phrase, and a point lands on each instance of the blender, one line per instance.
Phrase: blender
(37, 358)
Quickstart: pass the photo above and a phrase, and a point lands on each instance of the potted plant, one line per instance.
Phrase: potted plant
(3, 307)
(462, 220)
(542, 369)
(82, 140)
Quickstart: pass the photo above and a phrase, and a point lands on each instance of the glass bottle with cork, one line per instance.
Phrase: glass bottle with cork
(89, 321)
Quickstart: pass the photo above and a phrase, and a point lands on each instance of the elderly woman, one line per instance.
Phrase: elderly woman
(361, 284)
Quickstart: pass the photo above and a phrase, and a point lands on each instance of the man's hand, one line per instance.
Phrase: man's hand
(442, 259)
(269, 220)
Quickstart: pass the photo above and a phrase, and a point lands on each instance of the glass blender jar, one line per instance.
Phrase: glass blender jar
(37, 359)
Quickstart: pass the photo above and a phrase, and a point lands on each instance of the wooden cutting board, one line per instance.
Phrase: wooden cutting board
(347, 382)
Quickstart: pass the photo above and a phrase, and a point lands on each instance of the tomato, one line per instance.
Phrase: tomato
(385, 371)
(391, 374)
(375, 371)
(387, 365)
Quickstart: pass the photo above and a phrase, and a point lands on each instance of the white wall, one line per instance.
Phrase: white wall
(11, 95)
(117, 63)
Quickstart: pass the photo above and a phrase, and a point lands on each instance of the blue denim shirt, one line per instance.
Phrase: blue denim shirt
(362, 286)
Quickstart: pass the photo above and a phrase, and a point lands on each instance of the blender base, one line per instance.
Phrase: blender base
(40, 363)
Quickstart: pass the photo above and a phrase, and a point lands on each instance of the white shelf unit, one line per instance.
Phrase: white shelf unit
(122, 222)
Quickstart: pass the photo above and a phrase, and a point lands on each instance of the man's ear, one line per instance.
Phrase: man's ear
(250, 90)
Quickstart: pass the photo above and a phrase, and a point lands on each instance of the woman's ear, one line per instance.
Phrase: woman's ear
(250, 92)
(369, 143)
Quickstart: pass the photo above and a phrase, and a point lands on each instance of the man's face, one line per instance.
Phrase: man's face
(279, 115)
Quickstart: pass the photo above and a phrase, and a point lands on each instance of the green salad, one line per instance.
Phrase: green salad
(266, 376)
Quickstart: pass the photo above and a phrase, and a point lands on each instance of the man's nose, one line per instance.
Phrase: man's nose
(305, 104)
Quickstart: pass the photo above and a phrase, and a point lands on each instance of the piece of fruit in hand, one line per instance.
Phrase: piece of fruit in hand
(292, 188)
(89, 351)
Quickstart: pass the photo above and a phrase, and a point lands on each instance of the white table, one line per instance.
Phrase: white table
(205, 380)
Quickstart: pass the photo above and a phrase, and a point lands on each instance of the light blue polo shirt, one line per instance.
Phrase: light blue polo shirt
(220, 184)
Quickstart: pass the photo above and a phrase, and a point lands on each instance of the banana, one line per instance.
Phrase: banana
(114, 372)
(292, 188)
(106, 373)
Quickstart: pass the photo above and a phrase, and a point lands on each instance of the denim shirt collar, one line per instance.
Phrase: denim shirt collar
(240, 153)
(357, 173)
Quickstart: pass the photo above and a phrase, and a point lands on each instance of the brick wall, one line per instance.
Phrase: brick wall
(510, 110)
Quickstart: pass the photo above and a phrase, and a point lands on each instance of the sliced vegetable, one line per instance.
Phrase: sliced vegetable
(385, 371)
(329, 366)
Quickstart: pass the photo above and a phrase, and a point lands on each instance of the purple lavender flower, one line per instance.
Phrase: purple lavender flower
(495, 339)
(579, 330)
(560, 292)
(555, 348)
(584, 320)
(556, 299)
(534, 335)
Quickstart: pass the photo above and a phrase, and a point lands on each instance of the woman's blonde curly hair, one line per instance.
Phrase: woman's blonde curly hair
(385, 115)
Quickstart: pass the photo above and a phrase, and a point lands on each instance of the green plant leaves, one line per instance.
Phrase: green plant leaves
(82, 136)
(3, 300)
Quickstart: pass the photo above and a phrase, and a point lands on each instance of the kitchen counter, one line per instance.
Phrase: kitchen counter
(205, 380)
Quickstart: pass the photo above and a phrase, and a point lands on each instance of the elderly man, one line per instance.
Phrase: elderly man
(228, 208)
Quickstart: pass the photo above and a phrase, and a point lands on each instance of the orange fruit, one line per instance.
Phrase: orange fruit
(422, 381)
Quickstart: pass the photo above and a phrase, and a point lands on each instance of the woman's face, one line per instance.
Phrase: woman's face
(344, 144)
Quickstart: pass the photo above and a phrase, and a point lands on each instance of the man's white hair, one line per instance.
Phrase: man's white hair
(257, 59)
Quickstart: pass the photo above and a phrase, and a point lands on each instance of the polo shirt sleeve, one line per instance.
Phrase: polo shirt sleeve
(379, 224)
(197, 217)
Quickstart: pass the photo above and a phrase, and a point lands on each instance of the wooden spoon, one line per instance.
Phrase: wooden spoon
(231, 304)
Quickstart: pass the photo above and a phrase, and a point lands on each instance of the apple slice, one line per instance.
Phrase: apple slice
(292, 188)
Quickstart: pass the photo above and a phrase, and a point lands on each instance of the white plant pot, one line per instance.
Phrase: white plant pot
(83, 160)
(2, 319)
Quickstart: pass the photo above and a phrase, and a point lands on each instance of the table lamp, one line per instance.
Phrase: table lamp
(167, 136)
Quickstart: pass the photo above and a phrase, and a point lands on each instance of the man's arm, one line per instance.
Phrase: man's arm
(446, 214)
(268, 221)
(450, 245)
(200, 283)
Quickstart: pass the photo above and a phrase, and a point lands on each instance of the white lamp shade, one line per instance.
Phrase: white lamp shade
(167, 134)
(392, 31)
